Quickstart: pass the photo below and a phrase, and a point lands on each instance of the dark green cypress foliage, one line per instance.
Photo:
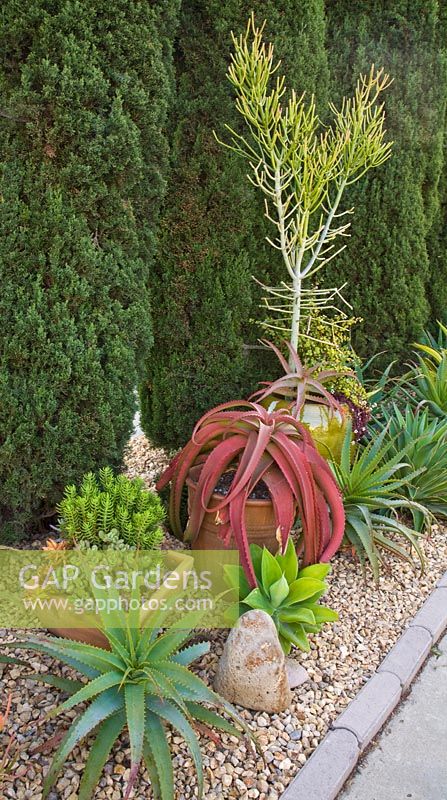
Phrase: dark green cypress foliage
(212, 237)
(84, 91)
(437, 235)
(386, 262)
(437, 248)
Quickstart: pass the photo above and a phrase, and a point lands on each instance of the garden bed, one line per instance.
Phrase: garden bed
(342, 658)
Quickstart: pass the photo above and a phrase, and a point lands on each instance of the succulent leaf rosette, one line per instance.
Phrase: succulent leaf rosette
(300, 384)
(374, 486)
(287, 593)
(265, 445)
(141, 685)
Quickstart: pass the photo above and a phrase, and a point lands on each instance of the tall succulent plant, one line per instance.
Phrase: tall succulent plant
(301, 168)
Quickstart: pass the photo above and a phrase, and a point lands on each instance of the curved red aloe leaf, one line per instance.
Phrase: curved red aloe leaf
(319, 388)
(296, 359)
(325, 523)
(220, 408)
(328, 486)
(298, 463)
(237, 521)
(255, 448)
(283, 361)
(217, 462)
(284, 503)
(168, 474)
(183, 465)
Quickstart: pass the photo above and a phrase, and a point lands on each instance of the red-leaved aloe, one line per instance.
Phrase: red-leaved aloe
(301, 383)
(265, 445)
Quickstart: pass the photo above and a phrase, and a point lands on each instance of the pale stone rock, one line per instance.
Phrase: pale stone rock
(252, 670)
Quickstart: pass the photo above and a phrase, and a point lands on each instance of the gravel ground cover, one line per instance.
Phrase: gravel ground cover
(342, 658)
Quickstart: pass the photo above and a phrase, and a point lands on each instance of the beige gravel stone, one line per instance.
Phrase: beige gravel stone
(373, 616)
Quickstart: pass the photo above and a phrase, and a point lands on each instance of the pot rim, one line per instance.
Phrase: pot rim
(191, 482)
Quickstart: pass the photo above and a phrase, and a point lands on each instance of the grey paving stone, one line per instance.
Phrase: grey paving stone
(433, 614)
(443, 580)
(327, 770)
(408, 759)
(366, 714)
(408, 655)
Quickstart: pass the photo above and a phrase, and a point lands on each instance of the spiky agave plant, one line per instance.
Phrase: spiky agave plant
(434, 347)
(372, 489)
(260, 445)
(141, 684)
(426, 385)
(424, 440)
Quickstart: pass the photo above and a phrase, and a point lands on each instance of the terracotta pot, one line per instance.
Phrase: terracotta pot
(327, 426)
(259, 520)
(88, 635)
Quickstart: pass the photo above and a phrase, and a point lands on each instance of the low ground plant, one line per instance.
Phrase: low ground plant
(141, 685)
(111, 511)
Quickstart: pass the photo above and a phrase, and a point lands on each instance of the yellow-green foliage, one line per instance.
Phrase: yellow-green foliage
(328, 342)
(113, 511)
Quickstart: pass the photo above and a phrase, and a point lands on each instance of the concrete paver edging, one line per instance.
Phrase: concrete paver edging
(329, 767)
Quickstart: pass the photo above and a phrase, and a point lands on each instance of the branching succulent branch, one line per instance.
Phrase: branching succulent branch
(302, 167)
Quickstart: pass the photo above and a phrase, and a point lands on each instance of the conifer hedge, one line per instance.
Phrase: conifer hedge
(84, 92)
(388, 263)
(395, 263)
(212, 227)
(437, 235)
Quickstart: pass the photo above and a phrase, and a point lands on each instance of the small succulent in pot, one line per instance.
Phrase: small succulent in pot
(287, 593)
(265, 445)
